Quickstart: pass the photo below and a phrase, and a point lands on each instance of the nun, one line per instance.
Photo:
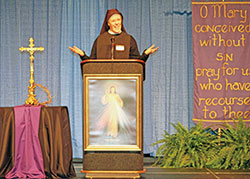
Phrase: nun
(114, 42)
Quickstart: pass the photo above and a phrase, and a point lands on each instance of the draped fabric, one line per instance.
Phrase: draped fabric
(55, 141)
(222, 97)
(28, 154)
(7, 140)
(57, 24)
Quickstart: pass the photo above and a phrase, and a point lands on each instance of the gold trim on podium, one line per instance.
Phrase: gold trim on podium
(113, 174)
(134, 147)
(110, 60)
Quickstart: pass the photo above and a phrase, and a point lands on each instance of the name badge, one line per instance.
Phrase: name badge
(119, 47)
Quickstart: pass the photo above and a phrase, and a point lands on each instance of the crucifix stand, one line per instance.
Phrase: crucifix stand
(31, 49)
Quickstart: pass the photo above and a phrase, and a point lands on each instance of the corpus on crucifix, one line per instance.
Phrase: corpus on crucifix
(31, 50)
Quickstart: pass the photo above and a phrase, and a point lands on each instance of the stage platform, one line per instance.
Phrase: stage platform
(173, 173)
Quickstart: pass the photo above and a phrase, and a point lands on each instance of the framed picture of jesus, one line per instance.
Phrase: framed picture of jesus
(112, 112)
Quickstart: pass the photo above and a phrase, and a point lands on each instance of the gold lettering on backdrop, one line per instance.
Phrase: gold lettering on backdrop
(218, 40)
(223, 31)
(245, 72)
(221, 10)
(208, 72)
(215, 101)
(203, 11)
(224, 57)
(235, 114)
(222, 28)
(237, 86)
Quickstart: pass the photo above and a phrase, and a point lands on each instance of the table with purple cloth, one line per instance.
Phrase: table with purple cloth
(55, 141)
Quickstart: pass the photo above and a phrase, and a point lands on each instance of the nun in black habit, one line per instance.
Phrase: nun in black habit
(114, 42)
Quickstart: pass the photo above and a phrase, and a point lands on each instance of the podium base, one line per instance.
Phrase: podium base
(113, 174)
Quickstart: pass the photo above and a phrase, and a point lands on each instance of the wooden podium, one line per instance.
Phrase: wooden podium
(113, 118)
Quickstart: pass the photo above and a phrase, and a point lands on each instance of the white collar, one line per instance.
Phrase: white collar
(113, 33)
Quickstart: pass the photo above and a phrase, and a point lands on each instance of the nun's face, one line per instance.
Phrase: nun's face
(115, 23)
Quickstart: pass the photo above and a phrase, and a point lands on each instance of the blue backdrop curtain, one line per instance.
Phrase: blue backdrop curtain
(57, 24)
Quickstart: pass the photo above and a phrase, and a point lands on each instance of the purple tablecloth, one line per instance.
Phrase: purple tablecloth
(54, 136)
(28, 154)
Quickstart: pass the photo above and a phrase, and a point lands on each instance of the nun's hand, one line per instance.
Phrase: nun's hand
(77, 50)
(151, 50)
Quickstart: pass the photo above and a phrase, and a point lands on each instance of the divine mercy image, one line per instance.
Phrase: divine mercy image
(113, 117)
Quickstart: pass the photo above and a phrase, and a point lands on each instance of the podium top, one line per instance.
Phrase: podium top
(112, 61)
(116, 66)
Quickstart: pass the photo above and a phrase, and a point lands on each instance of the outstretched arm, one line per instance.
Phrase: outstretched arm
(134, 53)
(82, 54)
(151, 50)
(77, 50)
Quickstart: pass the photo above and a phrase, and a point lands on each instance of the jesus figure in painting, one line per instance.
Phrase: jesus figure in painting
(113, 117)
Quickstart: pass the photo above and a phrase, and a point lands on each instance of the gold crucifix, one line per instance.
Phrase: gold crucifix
(31, 49)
